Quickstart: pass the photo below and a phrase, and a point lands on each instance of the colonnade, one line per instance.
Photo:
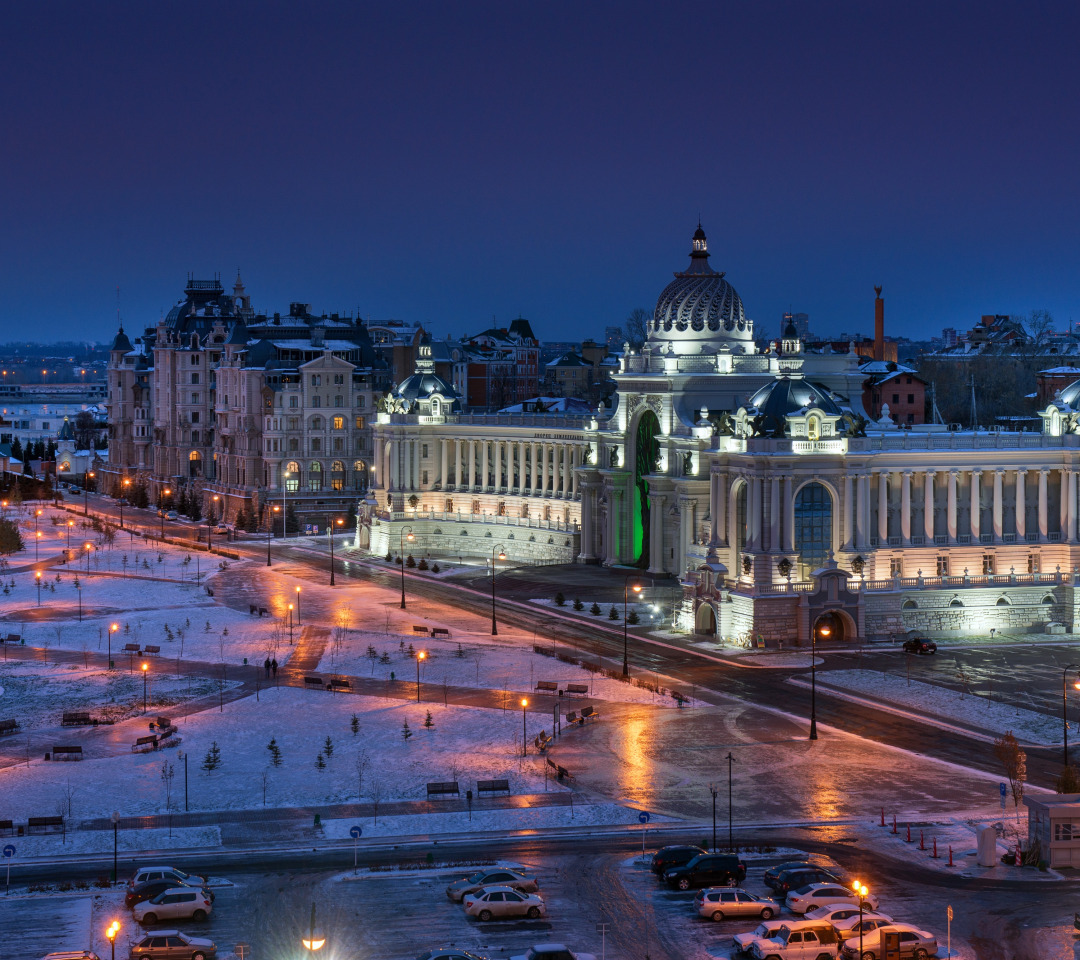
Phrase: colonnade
(532, 467)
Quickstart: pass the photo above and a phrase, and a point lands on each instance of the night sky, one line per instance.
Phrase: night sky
(447, 163)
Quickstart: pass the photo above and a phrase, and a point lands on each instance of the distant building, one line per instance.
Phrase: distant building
(32, 412)
(801, 323)
(503, 366)
(1051, 382)
(895, 385)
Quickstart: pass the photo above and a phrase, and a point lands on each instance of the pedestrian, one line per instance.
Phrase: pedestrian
(273, 667)
(266, 667)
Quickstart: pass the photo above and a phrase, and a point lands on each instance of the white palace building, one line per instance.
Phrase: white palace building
(753, 478)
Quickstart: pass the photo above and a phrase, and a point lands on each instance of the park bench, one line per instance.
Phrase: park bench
(560, 772)
(73, 752)
(9, 826)
(77, 718)
(164, 723)
(150, 741)
(209, 592)
(541, 741)
(8, 726)
(572, 717)
(492, 786)
(337, 683)
(252, 608)
(588, 713)
(679, 698)
(11, 638)
(150, 648)
(132, 648)
(547, 685)
(42, 824)
(313, 681)
(448, 788)
(580, 688)
(418, 629)
(262, 611)
(441, 632)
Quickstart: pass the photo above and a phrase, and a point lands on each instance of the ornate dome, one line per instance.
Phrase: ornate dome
(1070, 396)
(421, 385)
(790, 395)
(699, 311)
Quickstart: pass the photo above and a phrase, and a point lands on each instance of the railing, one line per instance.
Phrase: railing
(487, 519)
(550, 421)
(898, 584)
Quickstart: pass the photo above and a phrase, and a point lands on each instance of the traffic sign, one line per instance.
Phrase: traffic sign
(9, 850)
(355, 832)
(643, 817)
(1002, 789)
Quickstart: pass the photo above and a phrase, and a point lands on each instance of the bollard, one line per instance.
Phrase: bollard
(922, 844)
(908, 840)
(883, 816)
(934, 854)
(950, 855)
(894, 823)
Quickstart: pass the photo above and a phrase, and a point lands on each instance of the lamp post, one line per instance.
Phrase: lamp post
(210, 520)
(145, 671)
(161, 511)
(85, 492)
(524, 734)
(270, 534)
(401, 557)
(3, 510)
(290, 622)
(113, 627)
(123, 496)
(70, 524)
(37, 578)
(284, 504)
(78, 586)
(502, 556)
(862, 890)
(115, 826)
(330, 524)
(419, 656)
(825, 631)
(713, 789)
(1064, 704)
(625, 637)
(110, 933)
(730, 838)
(87, 547)
(298, 605)
(313, 941)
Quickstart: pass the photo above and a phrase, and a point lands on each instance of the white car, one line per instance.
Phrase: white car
(798, 940)
(495, 903)
(143, 874)
(822, 895)
(553, 951)
(176, 903)
(764, 930)
(915, 944)
(845, 917)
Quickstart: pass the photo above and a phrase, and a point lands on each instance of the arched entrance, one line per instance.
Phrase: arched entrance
(646, 457)
(705, 620)
(833, 626)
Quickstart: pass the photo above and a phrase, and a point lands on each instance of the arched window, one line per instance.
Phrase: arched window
(910, 605)
(194, 464)
(337, 475)
(813, 428)
(315, 476)
(956, 603)
(741, 534)
(813, 527)
(316, 423)
(1003, 602)
(359, 475)
(292, 476)
(339, 423)
(435, 408)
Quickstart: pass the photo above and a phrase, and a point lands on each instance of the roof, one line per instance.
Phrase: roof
(790, 395)
(569, 360)
(121, 342)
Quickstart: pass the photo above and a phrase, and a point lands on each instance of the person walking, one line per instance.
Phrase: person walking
(273, 667)
(266, 667)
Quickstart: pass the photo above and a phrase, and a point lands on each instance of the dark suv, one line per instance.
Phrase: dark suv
(794, 879)
(707, 870)
(667, 858)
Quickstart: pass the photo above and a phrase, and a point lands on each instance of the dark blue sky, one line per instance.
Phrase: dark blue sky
(447, 163)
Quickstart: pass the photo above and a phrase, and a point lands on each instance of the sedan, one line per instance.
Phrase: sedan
(763, 931)
(493, 875)
(449, 953)
(553, 951)
(149, 890)
(920, 645)
(800, 877)
(821, 895)
(172, 904)
(773, 872)
(172, 945)
(719, 903)
(501, 902)
(915, 944)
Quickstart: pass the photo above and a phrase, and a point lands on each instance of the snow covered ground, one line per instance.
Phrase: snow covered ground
(930, 699)
(80, 842)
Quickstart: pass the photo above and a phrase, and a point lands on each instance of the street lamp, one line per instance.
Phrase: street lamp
(502, 556)
(730, 838)
(37, 578)
(297, 605)
(112, 930)
(825, 632)
(270, 534)
(161, 511)
(401, 551)
(330, 524)
(88, 548)
(85, 491)
(123, 497)
(210, 519)
(313, 941)
(290, 622)
(113, 627)
(713, 789)
(183, 755)
(524, 734)
(419, 656)
(625, 638)
(37, 545)
(862, 890)
(115, 826)
(70, 524)
(145, 671)
(1064, 697)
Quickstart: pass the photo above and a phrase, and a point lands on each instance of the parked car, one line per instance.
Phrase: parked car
(793, 879)
(822, 894)
(74, 955)
(494, 875)
(805, 940)
(914, 943)
(149, 890)
(845, 917)
(920, 645)
(498, 903)
(553, 951)
(143, 874)
(773, 872)
(706, 870)
(763, 931)
(450, 953)
(869, 923)
(122, 502)
(666, 858)
(719, 903)
(171, 515)
(177, 903)
(172, 945)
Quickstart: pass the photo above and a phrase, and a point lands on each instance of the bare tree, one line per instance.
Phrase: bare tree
(65, 805)
(375, 793)
(265, 781)
(1013, 759)
(362, 763)
(167, 774)
(636, 327)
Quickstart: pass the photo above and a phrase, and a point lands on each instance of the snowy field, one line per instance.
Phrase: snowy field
(930, 699)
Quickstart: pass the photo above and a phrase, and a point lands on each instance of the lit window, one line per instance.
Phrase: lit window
(339, 423)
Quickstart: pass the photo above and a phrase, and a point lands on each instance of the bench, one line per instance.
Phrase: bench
(78, 718)
(252, 608)
(541, 741)
(561, 772)
(165, 723)
(150, 648)
(9, 826)
(75, 752)
(150, 741)
(313, 681)
(588, 713)
(492, 786)
(262, 611)
(572, 717)
(338, 684)
(419, 629)
(445, 632)
(42, 824)
(13, 638)
(581, 688)
(8, 726)
(132, 648)
(549, 685)
(444, 789)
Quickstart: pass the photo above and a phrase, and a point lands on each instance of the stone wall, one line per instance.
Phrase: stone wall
(453, 539)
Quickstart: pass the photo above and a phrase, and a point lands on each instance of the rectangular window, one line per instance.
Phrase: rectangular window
(339, 444)
(194, 398)
(476, 506)
(1063, 831)
(339, 378)
(194, 378)
(359, 423)
(339, 400)
(316, 401)
(294, 445)
(988, 564)
(360, 400)
(194, 436)
(293, 402)
(942, 566)
(911, 398)
(896, 566)
(896, 398)
(339, 423)
(194, 416)
(423, 477)
(316, 380)
(423, 450)
(1034, 565)
(294, 423)
(195, 359)
(449, 505)
(316, 445)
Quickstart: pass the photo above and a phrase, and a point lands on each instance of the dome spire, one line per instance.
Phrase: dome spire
(699, 247)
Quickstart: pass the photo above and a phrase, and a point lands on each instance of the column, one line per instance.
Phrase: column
(609, 547)
(721, 509)
(774, 515)
(1063, 506)
(998, 476)
(928, 506)
(484, 444)
(586, 523)
(849, 512)
(883, 509)
(905, 507)
(1070, 518)
(575, 481)
(951, 506)
(1043, 529)
(862, 510)
(534, 446)
(686, 534)
(519, 468)
(472, 465)
(545, 481)
(975, 506)
(444, 477)
(1021, 505)
(713, 505)
(788, 537)
(656, 533)
(753, 511)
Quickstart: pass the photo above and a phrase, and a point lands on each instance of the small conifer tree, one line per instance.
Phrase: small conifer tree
(578, 605)
(613, 614)
(595, 609)
(406, 733)
(212, 760)
(560, 600)
(428, 720)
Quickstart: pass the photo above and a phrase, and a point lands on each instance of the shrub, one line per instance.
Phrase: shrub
(632, 618)
(422, 564)
(595, 609)
(613, 614)
(560, 600)
(434, 568)
(578, 605)
(410, 562)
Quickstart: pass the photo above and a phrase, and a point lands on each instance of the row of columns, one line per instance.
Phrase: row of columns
(547, 469)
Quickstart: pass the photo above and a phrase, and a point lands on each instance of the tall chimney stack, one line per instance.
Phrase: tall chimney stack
(879, 325)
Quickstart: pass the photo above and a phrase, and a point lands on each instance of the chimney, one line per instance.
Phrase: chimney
(879, 325)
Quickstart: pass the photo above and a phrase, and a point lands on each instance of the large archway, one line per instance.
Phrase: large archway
(646, 457)
(813, 517)
(705, 620)
(834, 626)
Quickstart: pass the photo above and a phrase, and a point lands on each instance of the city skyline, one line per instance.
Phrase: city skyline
(494, 163)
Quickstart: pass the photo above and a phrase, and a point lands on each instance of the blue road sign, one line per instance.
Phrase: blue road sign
(9, 850)
(643, 817)
(1002, 789)
(355, 832)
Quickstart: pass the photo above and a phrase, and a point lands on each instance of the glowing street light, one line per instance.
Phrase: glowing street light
(37, 578)
(113, 627)
(270, 534)
(330, 529)
(298, 606)
(419, 657)
(524, 734)
(88, 547)
(502, 556)
(862, 890)
(145, 673)
(110, 932)
(290, 622)
(315, 939)
(406, 534)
